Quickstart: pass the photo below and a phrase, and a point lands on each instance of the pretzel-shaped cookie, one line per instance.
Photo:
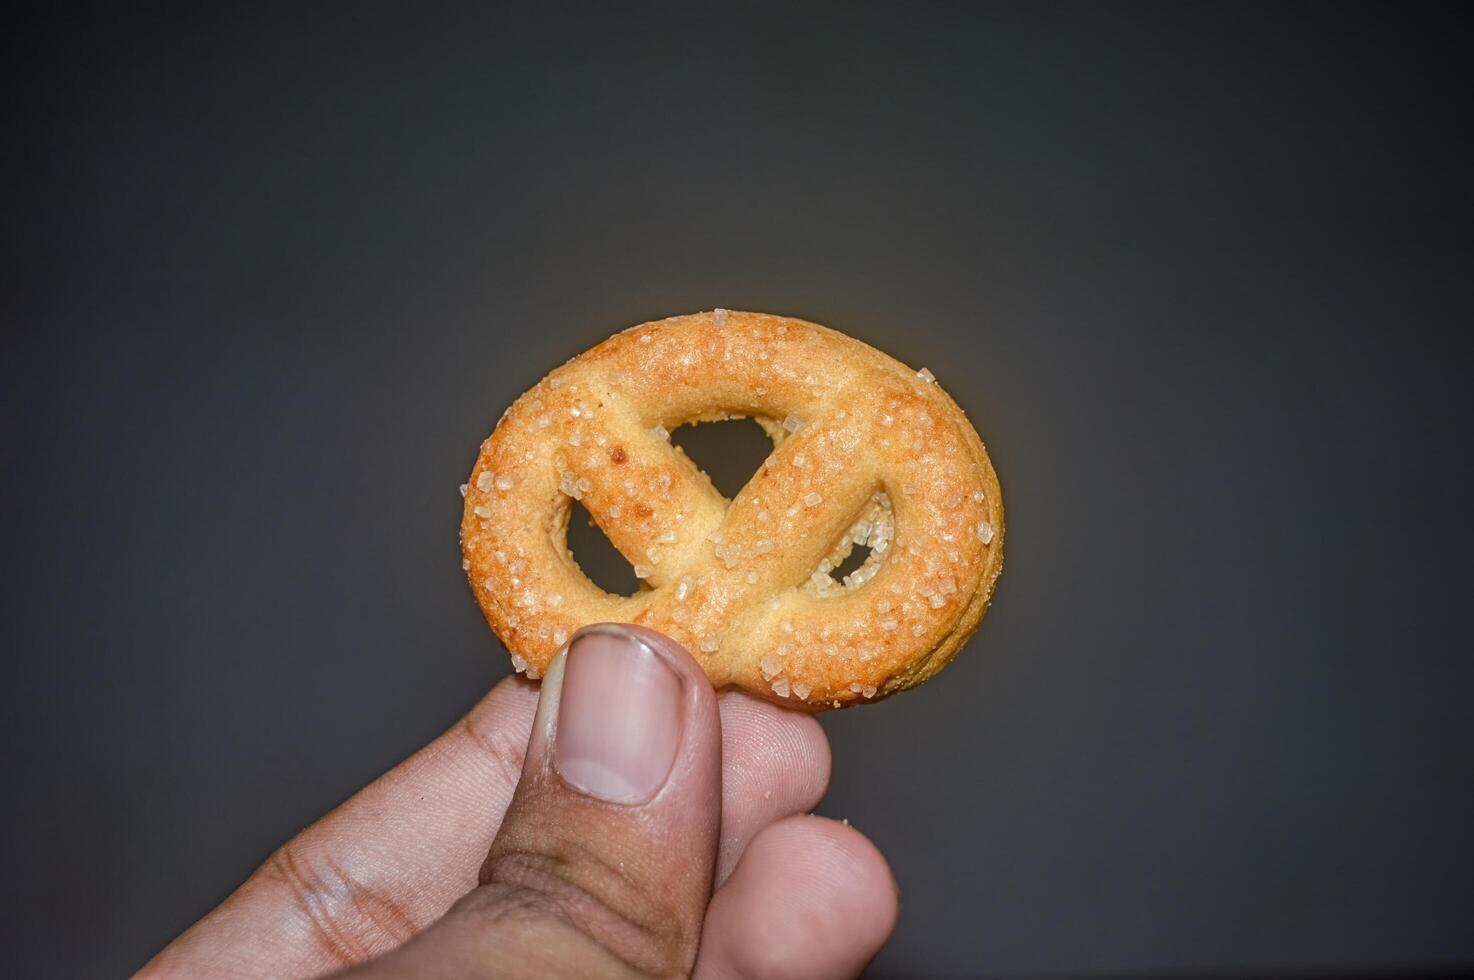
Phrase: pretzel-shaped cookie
(866, 451)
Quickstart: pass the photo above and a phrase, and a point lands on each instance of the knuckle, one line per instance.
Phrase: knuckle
(570, 890)
(346, 920)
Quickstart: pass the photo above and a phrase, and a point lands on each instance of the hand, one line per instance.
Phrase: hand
(599, 827)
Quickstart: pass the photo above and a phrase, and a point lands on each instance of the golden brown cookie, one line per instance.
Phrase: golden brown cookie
(866, 451)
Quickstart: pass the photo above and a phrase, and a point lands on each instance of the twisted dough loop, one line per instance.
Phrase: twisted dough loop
(866, 450)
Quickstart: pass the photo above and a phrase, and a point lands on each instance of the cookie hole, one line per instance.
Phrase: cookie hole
(729, 452)
(604, 565)
(852, 562)
(860, 552)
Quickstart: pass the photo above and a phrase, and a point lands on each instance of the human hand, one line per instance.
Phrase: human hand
(624, 821)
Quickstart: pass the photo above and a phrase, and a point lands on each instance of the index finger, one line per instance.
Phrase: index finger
(393, 858)
(380, 867)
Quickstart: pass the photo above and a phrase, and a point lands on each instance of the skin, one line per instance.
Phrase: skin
(475, 858)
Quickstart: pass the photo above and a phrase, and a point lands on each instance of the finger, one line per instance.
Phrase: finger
(379, 868)
(775, 763)
(604, 863)
(391, 860)
(811, 898)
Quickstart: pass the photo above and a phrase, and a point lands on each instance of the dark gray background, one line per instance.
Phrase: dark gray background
(1201, 275)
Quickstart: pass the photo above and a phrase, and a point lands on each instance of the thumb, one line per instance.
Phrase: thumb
(603, 865)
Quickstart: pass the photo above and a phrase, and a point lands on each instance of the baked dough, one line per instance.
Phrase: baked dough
(866, 451)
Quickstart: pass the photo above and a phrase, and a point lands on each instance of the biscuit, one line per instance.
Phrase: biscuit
(866, 451)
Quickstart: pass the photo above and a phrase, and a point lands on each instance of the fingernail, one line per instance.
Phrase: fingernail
(619, 717)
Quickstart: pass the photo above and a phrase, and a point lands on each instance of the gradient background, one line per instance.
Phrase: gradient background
(1202, 276)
